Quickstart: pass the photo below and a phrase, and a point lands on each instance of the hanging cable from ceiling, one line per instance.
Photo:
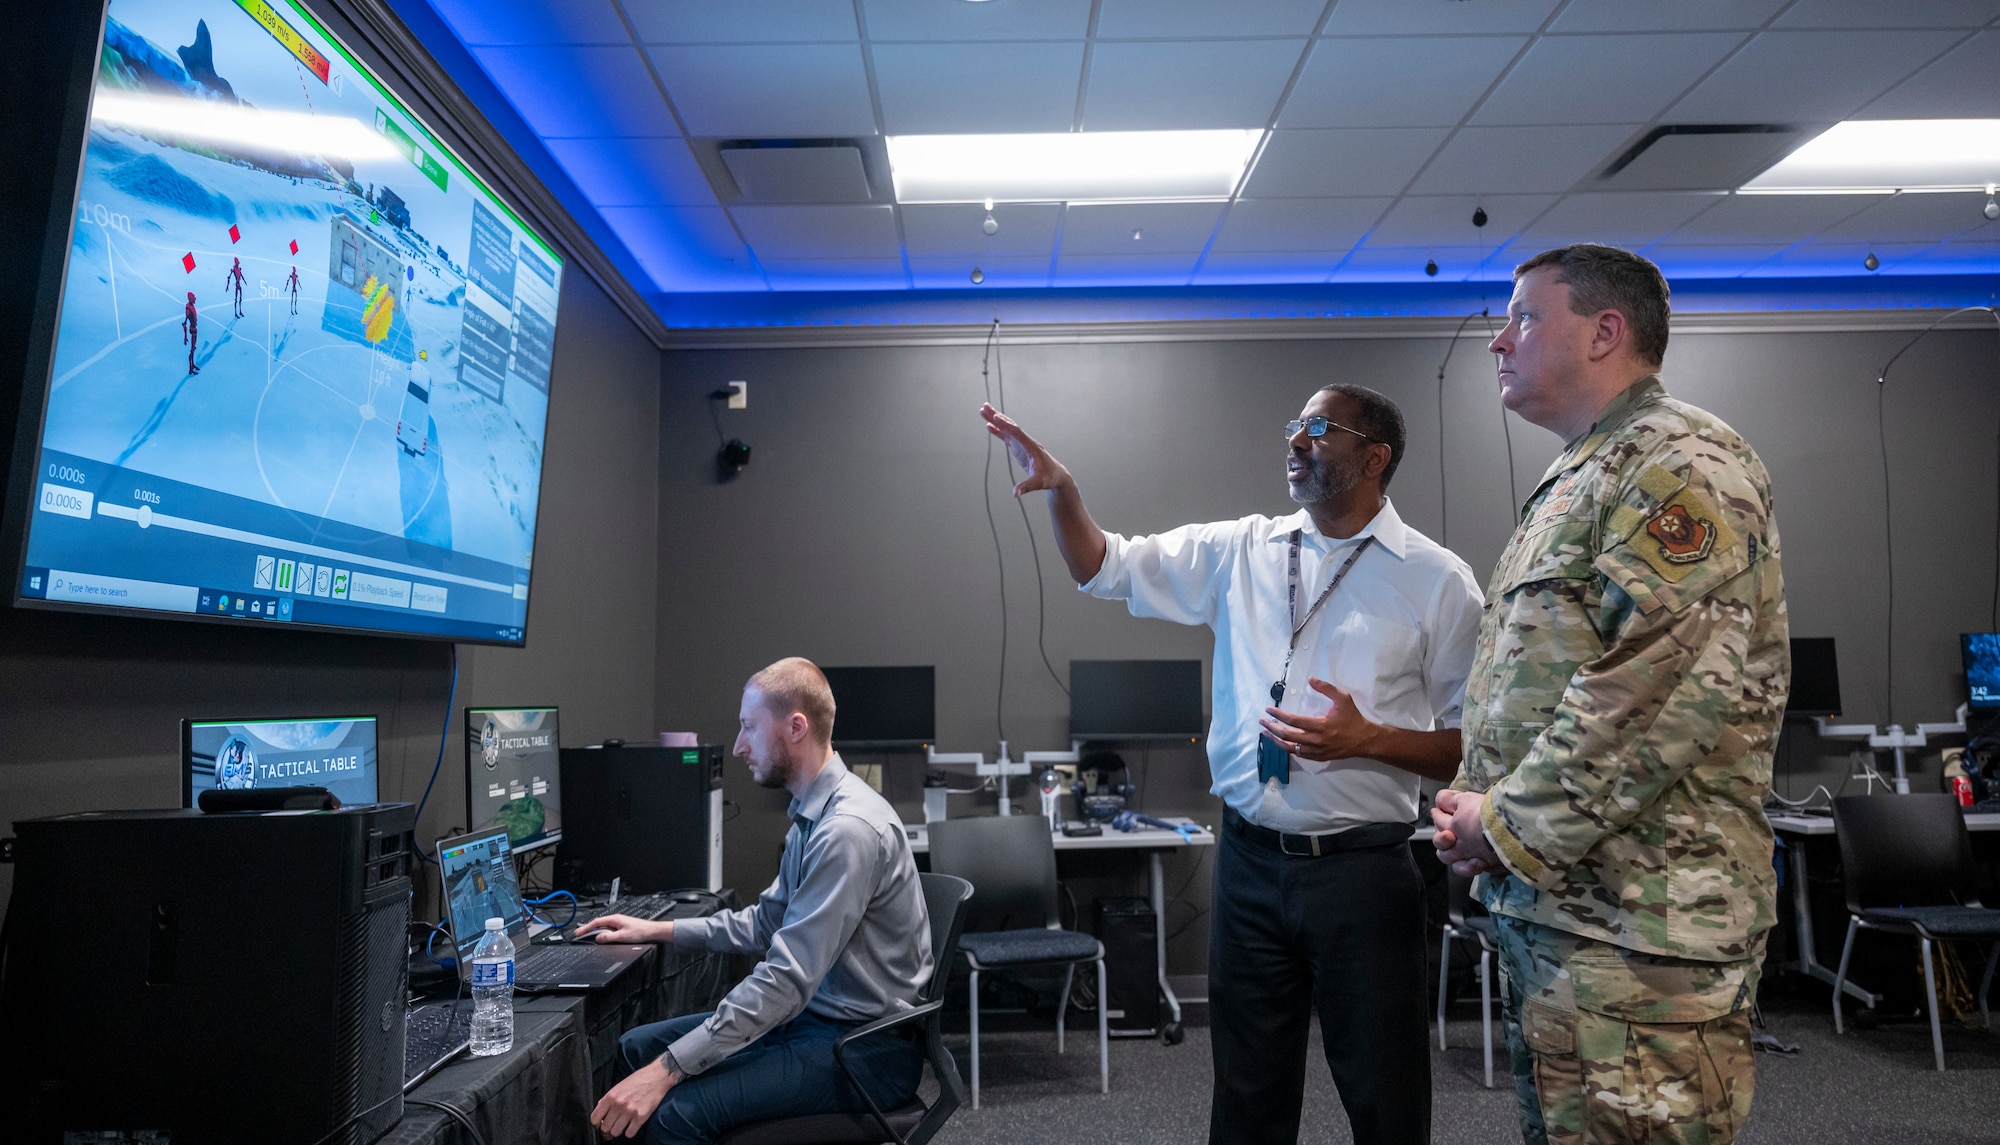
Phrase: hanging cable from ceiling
(1888, 512)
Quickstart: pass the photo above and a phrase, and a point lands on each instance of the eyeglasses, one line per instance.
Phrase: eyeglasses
(1316, 427)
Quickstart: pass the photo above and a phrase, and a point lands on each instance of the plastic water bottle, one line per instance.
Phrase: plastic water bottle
(493, 991)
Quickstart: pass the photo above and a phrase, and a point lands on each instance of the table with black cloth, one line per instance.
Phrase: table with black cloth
(539, 1091)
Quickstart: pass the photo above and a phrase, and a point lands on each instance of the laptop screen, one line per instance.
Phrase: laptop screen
(478, 874)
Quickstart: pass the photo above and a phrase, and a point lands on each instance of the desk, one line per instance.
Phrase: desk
(1809, 826)
(1155, 842)
(539, 1091)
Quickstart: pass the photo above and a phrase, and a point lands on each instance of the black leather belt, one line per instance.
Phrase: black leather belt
(1317, 846)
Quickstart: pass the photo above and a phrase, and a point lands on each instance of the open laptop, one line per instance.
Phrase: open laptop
(477, 870)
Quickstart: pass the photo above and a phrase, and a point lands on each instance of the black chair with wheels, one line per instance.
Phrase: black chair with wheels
(1011, 862)
(1907, 861)
(1465, 918)
(945, 897)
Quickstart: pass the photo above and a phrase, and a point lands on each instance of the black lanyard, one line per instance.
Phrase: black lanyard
(1292, 602)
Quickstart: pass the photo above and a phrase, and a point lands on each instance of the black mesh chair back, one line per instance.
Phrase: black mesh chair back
(1459, 904)
(1011, 861)
(944, 898)
(1903, 850)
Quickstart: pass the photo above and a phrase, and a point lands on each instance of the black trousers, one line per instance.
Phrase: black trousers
(1341, 935)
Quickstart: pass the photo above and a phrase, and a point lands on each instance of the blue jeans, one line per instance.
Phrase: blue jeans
(789, 1072)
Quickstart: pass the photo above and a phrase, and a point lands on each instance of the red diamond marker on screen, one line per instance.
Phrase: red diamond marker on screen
(187, 261)
(234, 234)
(295, 246)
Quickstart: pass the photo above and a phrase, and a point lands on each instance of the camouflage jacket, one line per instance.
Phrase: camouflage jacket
(1627, 688)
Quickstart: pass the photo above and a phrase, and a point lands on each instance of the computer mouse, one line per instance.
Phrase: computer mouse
(689, 896)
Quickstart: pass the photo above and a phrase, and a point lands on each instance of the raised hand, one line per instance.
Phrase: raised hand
(1043, 470)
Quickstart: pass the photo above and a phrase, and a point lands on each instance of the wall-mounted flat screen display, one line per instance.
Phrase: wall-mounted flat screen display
(335, 753)
(1135, 699)
(883, 707)
(301, 367)
(1982, 670)
(513, 774)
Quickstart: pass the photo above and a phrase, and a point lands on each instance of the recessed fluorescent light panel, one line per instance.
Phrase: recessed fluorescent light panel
(1882, 156)
(1077, 167)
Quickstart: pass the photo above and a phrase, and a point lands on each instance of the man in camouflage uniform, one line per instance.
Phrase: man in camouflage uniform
(1625, 695)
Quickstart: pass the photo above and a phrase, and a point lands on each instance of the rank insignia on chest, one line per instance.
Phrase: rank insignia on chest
(1683, 537)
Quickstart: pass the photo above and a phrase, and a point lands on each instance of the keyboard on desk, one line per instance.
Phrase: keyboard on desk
(550, 960)
(436, 1033)
(651, 906)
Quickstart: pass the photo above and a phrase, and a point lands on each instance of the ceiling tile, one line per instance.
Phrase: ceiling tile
(955, 273)
(954, 229)
(836, 274)
(1106, 228)
(1766, 219)
(707, 22)
(579, 91)
(1009, 20)
(677, 277)
(1485, 160)
(1144, 87)
(1436, 17)
(1807, 77)
(1225, 268)
(1631, 220)
(1917, 218)
(768, 90)
(1406, 264)
(1966, 14)
(1366, 83)
(1135, 270)
(1147, 19)
(1279, 225)
(634, 172)
(1341, 162)
(1630, 78)
(1959, 86)
(940, 89)
(1817, 259)
(1679, 16)
(1437, 220)
(482, 23)
(1960, 258)
(816, 232)
(683, 235)
(1711, 261)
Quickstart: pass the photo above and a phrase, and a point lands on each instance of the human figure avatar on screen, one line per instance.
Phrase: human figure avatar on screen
(235, 278)
(292, 286)
(191, 331)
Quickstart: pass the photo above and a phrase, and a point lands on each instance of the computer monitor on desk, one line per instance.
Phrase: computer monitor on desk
(1982, 670)
(1135, 699)
(337, 753)
(883, 708)
(513, 774)
(1815, 687)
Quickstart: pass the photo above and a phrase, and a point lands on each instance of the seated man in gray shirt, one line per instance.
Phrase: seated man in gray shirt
(843, 934)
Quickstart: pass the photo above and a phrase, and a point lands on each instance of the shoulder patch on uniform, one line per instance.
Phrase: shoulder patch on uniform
(1685, 532)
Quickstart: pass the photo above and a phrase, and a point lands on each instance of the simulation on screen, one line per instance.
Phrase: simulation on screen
(302, 361)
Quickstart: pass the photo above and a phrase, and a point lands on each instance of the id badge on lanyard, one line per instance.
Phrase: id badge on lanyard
(1273, 761)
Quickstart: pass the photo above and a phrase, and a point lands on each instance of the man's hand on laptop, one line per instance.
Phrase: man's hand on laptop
(625, 928)
(625, 1109)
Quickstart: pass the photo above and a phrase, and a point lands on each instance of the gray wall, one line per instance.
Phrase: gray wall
(857, 534)
(90, 706)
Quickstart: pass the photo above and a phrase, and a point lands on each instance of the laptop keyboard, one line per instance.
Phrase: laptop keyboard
(436, 1032)
(555, 961)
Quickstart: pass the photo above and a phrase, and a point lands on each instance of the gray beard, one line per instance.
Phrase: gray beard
(1324, 481)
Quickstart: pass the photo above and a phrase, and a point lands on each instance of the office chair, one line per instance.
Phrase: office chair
(1907, 862)
(914, 1123)
(1012, 862)
(1463, 923)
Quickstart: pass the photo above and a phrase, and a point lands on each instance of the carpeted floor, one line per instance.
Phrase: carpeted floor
(1875, 1086)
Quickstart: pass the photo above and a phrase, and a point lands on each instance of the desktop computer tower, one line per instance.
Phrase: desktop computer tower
(207, 977)
(649, 816)
(1126, 927)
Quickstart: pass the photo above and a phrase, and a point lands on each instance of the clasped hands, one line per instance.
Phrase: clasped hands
(1461, 839)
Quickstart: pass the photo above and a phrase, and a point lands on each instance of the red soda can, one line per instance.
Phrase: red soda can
(1962, 787)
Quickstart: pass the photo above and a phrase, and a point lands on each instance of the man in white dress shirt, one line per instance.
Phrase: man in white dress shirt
(1342, 641)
